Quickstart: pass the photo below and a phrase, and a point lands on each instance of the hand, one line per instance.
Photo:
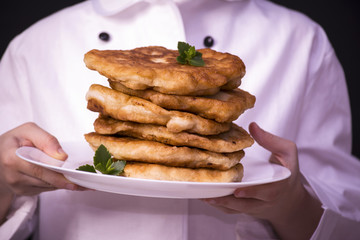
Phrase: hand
(18, 177)
(291, 210)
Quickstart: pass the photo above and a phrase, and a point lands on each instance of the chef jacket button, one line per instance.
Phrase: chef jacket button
(104, 36)
(208, 41)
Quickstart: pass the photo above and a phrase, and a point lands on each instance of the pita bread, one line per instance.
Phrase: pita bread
(165, 173)
(233, 140)
(130, 149)
(123, 107)
(156, 68)
(225, 106)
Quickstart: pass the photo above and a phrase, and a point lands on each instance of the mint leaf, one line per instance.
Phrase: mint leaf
(197, 60)
(100, 167)
(103, 162)
(87, 168)
(188, 55)
(116, 167)
(101, 157)
(182, 48)
(181, 60)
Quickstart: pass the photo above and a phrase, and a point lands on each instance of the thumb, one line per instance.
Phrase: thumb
(32, 135)
(282, 149)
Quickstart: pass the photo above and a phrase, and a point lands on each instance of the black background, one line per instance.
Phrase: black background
(339, 18)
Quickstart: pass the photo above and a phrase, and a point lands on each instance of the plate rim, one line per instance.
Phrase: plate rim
(233, 185)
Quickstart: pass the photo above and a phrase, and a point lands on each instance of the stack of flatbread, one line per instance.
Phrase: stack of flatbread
(167, 120)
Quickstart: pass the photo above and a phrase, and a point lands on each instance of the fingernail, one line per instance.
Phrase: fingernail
(61, 152)
(70, 186)
(239, 194)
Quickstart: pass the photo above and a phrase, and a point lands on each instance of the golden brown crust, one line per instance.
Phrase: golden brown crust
(128, 108)
(233, 140)
(156, 68)
(130, 149)
(225, 106)
(165, 173)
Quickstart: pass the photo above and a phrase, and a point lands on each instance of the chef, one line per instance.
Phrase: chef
(302, 105)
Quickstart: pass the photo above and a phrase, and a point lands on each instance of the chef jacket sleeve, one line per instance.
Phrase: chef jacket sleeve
(21, 220)
(15, 87)
(15, 105)
(324, 142)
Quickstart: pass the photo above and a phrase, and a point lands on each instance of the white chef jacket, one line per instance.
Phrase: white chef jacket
(291, 69)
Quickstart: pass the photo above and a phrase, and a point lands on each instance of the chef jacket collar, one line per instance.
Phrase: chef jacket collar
(111, 7)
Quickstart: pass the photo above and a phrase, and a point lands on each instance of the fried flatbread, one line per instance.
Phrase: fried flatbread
(123, 107)
(165, 173)
(224, 106)
(156, 68)
(131, 149)
(233, 140)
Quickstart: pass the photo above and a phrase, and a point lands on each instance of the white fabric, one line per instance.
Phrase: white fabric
(291, 69)
(20, 224)
(111, 7)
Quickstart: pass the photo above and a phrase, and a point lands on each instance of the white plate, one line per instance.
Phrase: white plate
(255, 172)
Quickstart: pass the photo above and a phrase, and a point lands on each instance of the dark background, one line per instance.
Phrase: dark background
(339, 18)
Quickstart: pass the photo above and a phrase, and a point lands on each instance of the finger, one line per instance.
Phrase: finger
(29, 186)
(56, 180)
(22, 167)
(30, 175)
(47, 176)
(282, 149)
(270, 141)
(41, 140)
(31, 191)
(235, 205)
(265, 192)
(21, 184)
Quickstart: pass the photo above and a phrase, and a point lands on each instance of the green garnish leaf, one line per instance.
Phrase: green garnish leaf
(116, 167)
(104, 163)
(197, 60)
(87, 168)
(188, 55)
(101, 158)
